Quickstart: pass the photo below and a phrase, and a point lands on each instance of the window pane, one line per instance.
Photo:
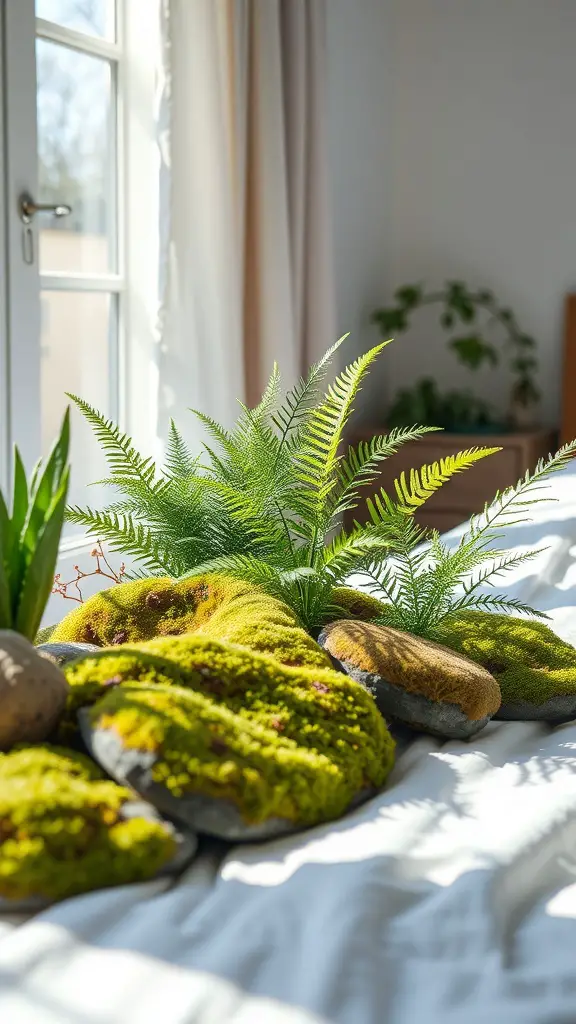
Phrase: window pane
(94, 17)
(76, 162)
(78, 344)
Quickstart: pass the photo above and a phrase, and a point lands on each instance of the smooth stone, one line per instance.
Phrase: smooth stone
(561, 708)
(62, 653)
(33, 692)
(422, 684)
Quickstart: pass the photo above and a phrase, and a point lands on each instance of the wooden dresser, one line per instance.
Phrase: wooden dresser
(465, 494)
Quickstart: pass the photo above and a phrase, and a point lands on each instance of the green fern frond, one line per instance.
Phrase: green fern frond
(413, 491)
(511, 506)
(125, 462)
(298, 401)
(269, 396)
(179, 459)
(496, 603)
(318, 458)
(124, 534)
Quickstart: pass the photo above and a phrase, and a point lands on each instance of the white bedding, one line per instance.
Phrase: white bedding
(448, 899)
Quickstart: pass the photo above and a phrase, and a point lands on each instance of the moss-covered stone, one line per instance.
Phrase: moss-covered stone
(63, 833)
(213, 606)
(277, 743)
(356, 604)
(535, 669)
(32, 762)
(413, 680)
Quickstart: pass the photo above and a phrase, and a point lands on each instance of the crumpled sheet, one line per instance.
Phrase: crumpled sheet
(450, 898)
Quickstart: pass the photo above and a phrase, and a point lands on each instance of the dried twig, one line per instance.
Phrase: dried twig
(62, 588)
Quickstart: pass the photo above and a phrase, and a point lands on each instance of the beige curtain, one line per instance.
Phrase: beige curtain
(247, 276)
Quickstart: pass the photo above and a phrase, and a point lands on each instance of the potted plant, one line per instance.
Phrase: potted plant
(466, 314)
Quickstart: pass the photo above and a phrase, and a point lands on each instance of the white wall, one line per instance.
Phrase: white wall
(457, 124)
(359, 96)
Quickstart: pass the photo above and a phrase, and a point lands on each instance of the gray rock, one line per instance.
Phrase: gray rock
(62, 653)
(561, 708)
(133, 768)
(440, 718)
(204, 814)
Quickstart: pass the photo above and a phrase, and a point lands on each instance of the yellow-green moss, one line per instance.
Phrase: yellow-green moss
(63, 834)
(45, 759)
(529, 661)
(297, 743)
(214, 606)
(356, 604)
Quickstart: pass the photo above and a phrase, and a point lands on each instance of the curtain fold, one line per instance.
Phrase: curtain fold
(247, 264)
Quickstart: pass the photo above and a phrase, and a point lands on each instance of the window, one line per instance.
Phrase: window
(79, 58)
(81, 277)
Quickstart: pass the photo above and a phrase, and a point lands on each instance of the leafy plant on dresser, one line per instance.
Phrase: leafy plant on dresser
(461, 311)
(264, 501)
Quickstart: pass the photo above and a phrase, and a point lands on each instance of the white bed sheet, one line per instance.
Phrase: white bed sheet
(448, 899)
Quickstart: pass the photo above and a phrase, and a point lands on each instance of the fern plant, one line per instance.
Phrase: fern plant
(264, 501)
(30, 535)
(424, 586)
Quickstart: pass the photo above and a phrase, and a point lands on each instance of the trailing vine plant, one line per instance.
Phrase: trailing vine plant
(460, 307)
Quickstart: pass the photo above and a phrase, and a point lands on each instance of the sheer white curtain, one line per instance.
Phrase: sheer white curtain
(247, 274)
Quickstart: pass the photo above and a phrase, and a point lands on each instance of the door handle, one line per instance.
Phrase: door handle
(27, 208)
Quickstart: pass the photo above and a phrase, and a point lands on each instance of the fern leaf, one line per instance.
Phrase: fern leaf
(511, 506)
(125, 462)
(124, 534)
(269, 395)
(360, 466)
(318, 459)
(298, 401)
(421, 484)
(179, 459)
(495, 603)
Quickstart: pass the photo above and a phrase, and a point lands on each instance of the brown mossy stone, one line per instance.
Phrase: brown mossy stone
(213, 606)
(413, 680)
(293, 746)
(63, 831)
(535, 669)
(33, 692)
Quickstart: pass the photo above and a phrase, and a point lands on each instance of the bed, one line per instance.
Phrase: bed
(450, 898)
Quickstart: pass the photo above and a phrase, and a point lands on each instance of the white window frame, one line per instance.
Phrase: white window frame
(136, 56)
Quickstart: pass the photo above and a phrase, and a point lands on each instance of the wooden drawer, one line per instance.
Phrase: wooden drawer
(468, 492)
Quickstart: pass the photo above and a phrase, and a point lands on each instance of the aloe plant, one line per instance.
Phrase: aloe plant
(30, 535)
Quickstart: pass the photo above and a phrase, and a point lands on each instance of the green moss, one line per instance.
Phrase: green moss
(63, 834)
(357, 605)
(45, 759)
(298, 743)
(44, 635)
(211, 605)
(529, 661)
